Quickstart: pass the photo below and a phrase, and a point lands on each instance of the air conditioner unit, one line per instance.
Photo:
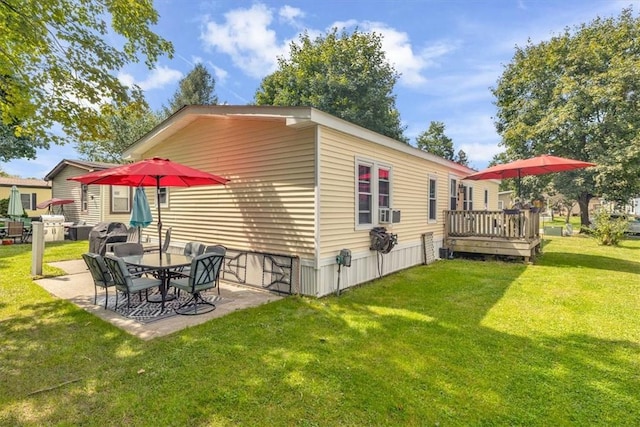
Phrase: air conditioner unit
(395, 216)
(384, 215)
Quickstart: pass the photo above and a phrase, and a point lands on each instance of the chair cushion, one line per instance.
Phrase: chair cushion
(183, 284)
(142, 283)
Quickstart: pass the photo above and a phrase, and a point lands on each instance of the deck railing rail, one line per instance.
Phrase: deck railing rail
(506, 224)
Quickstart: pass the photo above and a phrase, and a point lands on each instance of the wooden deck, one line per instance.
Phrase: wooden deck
(507, 233)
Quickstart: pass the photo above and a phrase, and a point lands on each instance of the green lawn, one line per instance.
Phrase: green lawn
(458, 342)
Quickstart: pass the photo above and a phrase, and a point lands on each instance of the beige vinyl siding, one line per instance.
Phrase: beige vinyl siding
(269, 203)
(65, 189)
(409, 192)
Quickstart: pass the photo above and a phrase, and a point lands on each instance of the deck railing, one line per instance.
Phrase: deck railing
(507, 224)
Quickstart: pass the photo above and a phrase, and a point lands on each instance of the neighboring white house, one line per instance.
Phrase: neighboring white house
(306, 185)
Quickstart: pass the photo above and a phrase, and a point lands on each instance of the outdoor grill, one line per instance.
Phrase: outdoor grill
(106, 232)
(53, 226)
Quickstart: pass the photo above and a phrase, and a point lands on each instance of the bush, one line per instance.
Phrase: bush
(607, 229)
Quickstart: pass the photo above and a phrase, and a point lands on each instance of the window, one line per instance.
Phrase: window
(467, 198)
(373, 191)
(84, 198)
(120, 198)
(28, 201)
(432, 199)
(384, 199)
(486, 199)
(453, 194)
(364, 194)
(163, 196)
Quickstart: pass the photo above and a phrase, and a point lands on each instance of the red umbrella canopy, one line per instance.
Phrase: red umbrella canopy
(534, 166)
(155, 172)
(53, 202)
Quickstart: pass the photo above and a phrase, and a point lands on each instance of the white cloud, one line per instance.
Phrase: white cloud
(220, 74)
(291, 15)
(158, 78)
(400, 52)
(246, 37)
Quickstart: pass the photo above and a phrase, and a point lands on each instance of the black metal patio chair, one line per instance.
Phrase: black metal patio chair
(100, 273)
(203, 275)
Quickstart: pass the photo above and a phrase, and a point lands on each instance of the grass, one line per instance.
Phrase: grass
(458, 342)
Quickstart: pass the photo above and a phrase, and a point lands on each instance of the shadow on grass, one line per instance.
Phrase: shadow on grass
(567, 259)
(409, 349)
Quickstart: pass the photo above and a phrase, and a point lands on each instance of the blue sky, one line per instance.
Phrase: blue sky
(448, 52)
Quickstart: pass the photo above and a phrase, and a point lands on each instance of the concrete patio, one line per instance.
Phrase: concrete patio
(77, 287)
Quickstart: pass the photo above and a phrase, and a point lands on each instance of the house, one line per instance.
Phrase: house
(32, 192)
(505, 199)
(305, 185)
(92, 204)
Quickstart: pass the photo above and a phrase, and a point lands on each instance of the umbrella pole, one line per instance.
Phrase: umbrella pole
(159, 217)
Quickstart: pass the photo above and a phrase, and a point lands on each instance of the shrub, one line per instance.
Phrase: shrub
(607, 229)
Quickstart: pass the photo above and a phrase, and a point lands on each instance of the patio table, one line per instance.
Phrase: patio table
(164, 264)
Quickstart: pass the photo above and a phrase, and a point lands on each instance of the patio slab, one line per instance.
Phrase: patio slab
(77, 287)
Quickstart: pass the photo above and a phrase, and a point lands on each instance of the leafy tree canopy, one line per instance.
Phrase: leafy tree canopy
(122, 124)
(56, 65)
(197, 88)
(578, 96)
(434, 141)
(462, 158)
(346, 75)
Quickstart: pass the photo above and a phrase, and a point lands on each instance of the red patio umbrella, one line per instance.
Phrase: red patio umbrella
(155, 172)
(539, 165)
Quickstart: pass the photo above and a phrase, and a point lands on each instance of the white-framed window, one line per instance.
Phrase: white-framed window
(433, 198)
(384, 187)
(467, 198)
(163, 196)
(84, 197)
(373, 191)
(120, 198)
(453, 194)
(365, 191)
(486, 199)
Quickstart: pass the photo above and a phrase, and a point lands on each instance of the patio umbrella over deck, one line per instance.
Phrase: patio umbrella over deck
(155, 172)
(534, 166)
(15, 209)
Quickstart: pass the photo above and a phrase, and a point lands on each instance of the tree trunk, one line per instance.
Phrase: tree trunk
(583, 202)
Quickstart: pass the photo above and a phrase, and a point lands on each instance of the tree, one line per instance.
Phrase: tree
(578, 95)
(346, 75)
(461, 158)
(13, 146)
(56, 65)
(124, 124)
(434, 141)
(197, 88)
